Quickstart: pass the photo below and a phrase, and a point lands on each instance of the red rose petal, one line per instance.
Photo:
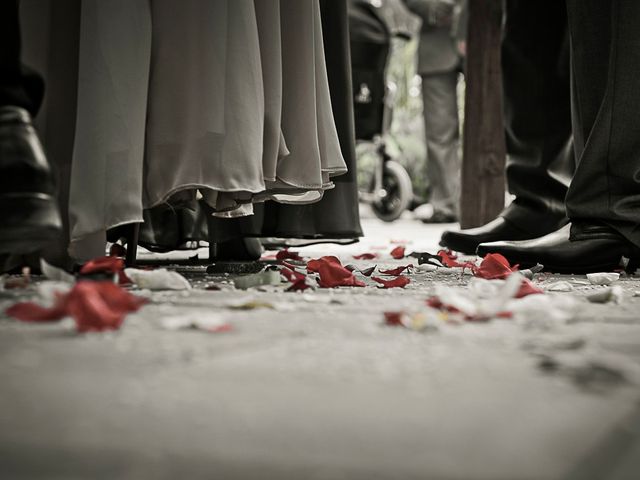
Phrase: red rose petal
(298, 280)
(225, 327)
(365, 256)
(292, 275)
(368, 271)
(286, 254)
(398, 252)
(494, 266)
(109, 264)
(95, 306)
(299, 286)
(314, 265)
(396, 271)
(394, 318)
(528, 288)
(450, 260)
(435, 302)
(32, 312)
(398, 282)
(103, 264)
(332, 273)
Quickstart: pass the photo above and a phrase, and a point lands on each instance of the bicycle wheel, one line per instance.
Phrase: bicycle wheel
(397, 192)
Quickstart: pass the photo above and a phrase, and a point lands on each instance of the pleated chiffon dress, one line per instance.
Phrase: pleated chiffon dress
(224, 100)
(107, 164)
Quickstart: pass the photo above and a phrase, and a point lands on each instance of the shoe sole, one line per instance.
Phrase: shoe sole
(29, 222)
(460, 247)
(582, 270)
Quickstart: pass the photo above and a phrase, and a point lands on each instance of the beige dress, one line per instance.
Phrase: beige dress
(106, 171)
(227, 100)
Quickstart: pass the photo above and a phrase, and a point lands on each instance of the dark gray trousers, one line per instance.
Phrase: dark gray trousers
(605, 42)
(442, 139)
(537, 112)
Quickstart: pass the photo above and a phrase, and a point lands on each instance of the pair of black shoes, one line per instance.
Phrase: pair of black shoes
(29, 215)
(561, 247)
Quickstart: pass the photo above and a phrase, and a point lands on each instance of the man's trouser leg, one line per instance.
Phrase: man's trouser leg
(442, 135)
(19, 86)
(537, 112)
(605, 39)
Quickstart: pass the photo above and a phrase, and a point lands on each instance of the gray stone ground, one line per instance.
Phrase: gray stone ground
(319, 388)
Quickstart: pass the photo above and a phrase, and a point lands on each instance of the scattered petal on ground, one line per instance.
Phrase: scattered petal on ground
(603, 278)
(251, 305)
(264, 278)
(332, 273)
(426, 258)
(32, 312)
(287, 254)
(396, 271)
(613, 294)
(398, 252)
(299, 281)
(159, 279)
(198, 321)
(414, 321)
(367, 272)
(95, 306)
(528, 288)
(365, 256)
(398, 282)
(102, 265)
(484, 288)
(315, 264)
(450, 260)
(483, 300)
(108, 264)
(494, 266)
(561, 286)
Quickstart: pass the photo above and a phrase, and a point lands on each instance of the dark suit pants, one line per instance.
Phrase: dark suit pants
(537, 110)
(605, 41)
(19, 86)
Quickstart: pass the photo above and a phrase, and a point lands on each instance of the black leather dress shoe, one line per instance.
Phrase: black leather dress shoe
(467, 241)
(516, 222)
(578, 250)
(29, 216)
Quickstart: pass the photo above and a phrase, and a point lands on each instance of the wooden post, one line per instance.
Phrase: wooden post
(483, 178)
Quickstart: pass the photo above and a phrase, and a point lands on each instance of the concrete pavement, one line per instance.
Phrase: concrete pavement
(319, 388)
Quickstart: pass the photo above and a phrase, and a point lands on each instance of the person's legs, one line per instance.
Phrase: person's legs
(28, 211)
(537, 114)
(442, 138)
(604, 198)
(537, 106)
(606, 65)
(19, 86)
